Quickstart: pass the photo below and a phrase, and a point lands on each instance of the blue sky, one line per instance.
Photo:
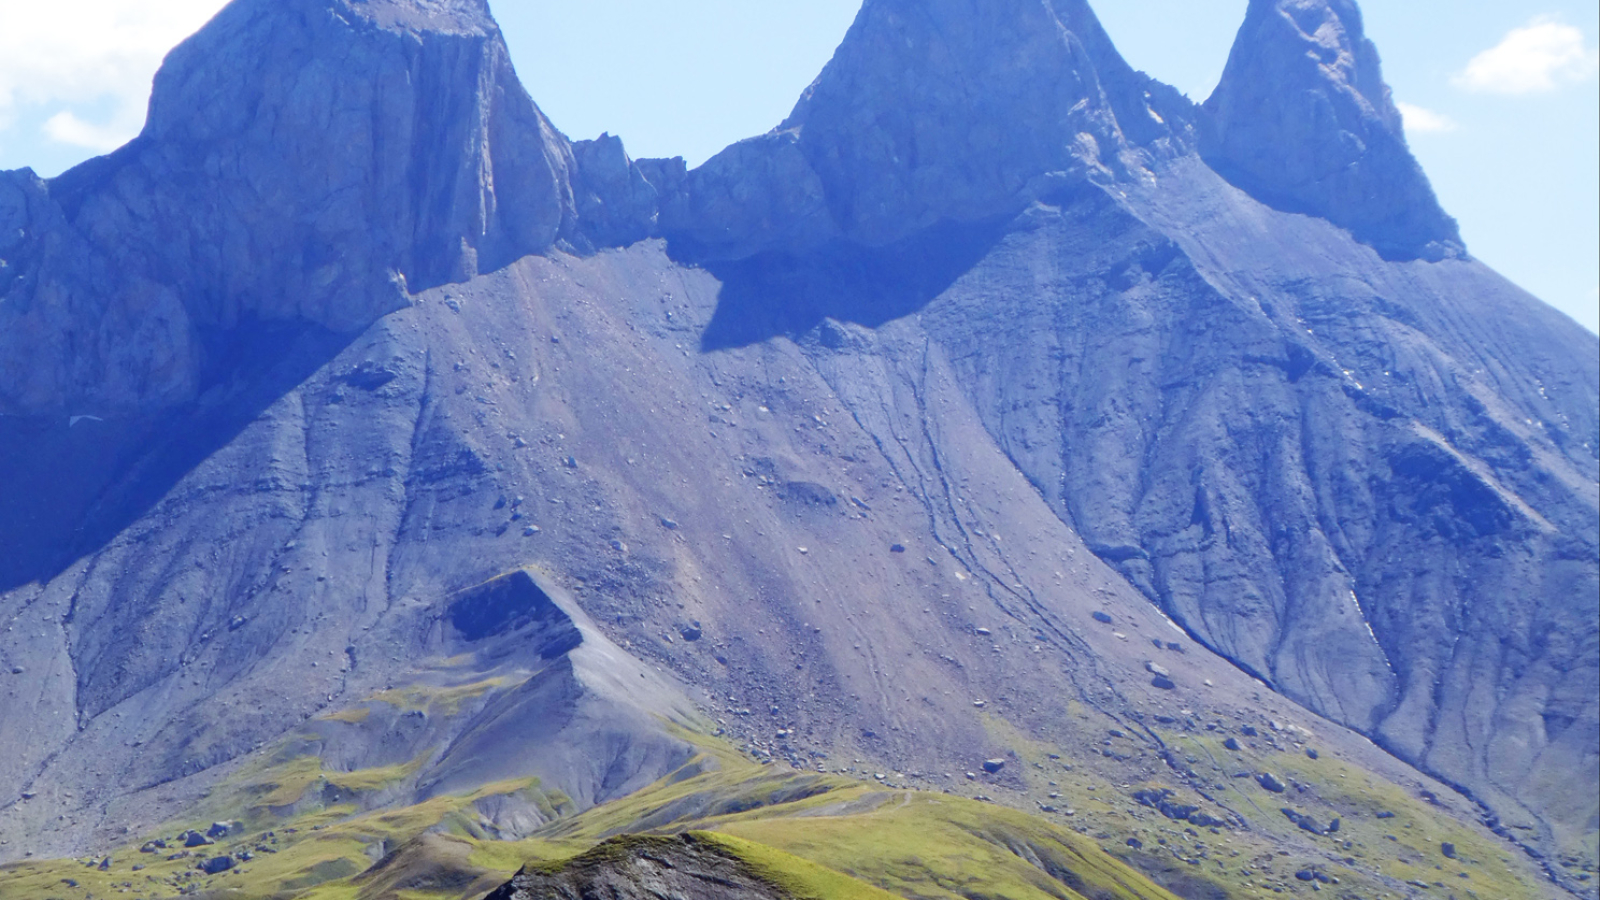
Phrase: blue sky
(1502, 99)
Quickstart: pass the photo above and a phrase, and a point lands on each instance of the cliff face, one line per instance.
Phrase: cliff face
(887, 411)
(308, 162)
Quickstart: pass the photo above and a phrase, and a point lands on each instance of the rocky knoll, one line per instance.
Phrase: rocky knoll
(996, 381)
(668, 869)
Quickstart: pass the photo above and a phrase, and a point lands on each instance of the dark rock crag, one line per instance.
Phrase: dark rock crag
(645, 869)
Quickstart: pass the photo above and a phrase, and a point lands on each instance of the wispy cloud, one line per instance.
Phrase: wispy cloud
(1541, 56)
(75, 52)
(1425, 121)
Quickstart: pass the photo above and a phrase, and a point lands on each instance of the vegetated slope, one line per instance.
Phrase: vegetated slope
(794, 834)
(881, 438)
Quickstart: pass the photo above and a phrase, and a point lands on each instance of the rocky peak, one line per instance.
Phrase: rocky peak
(305, 161)
(1303, 121)
(938, 110)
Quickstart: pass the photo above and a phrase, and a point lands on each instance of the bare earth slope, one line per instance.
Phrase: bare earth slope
(938, 426)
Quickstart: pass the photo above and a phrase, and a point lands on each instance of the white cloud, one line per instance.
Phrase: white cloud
(72, 52)
(1424, 121)
(66, 128)
(1538, 57)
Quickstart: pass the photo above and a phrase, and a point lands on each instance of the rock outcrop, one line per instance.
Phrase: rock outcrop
(1303, 121)
(645, 869)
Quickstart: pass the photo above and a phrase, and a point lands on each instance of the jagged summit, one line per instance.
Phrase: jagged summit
(937, 110)
(305, 161)
(1303, 120)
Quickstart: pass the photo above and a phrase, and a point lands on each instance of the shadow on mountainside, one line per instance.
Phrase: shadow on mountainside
(73, 485)
(781, 293)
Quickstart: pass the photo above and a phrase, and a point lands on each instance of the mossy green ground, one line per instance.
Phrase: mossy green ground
(821, 836)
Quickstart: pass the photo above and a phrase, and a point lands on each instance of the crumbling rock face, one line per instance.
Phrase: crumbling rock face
(1303, 120)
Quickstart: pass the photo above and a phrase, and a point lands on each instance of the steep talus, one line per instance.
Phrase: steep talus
(1001, 424)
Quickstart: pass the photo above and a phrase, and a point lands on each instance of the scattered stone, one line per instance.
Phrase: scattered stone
(17, 670)
(1304, 822)
(993, 766)
(1102, 618)
(1175, 647)
(1163, 683)
(216, 865)
(1135, 843)
(1312, 753)
(218, 829)
(1448, 849)
(1249, 731)
(238, 622)
(897, 548)
(105, 864)
(1232, 744)
(1385, 814)
(153, 846)
(1270, 782)
(692, 632)
(1157, 670)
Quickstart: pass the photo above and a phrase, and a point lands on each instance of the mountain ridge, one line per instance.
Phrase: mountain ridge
(675, 392)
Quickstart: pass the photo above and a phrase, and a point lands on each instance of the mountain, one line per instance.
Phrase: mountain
(1002, 424)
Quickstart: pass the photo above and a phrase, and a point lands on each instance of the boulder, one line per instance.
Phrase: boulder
(1271, 782)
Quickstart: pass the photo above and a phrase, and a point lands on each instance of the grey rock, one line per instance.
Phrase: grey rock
(993, 766)
(1271, 782)
(192, 839)
(1303, 120)
(216, 865)
(1232, 744)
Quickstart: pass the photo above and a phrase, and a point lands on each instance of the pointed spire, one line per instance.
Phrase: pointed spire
(1303, 121)
(943, 110)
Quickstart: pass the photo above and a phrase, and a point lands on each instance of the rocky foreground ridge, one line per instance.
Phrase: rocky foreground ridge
(998, 383)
